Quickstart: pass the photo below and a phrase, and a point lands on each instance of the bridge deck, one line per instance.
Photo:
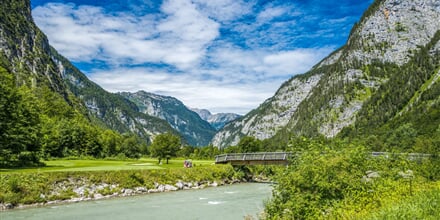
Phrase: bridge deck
(261, 158)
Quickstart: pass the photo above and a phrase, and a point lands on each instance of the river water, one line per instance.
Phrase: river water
(223, 202)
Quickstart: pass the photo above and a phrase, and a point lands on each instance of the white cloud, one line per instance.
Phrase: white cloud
(193, 90)
(208, 71)
(225, 10)
(85, 33)
(294, 61)
(270, 13)
(241, 81)
(263, 64)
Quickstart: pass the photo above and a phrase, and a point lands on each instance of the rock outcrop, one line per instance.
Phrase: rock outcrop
(196, 131)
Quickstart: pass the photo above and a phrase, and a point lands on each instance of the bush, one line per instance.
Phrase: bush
(331, 181)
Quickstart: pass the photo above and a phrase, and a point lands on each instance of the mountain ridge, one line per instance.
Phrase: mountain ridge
(331, 99)
(196, 131)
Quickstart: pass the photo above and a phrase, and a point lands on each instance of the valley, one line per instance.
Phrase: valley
(65, 138)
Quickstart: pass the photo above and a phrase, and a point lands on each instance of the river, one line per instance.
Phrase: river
(223, 202)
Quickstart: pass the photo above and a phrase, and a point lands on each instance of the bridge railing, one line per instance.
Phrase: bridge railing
(411, 156)
(260, 156)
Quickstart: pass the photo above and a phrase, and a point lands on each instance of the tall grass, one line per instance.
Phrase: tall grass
(425, 205)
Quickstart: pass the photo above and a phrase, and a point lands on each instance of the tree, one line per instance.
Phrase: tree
(165, 146)
(19, 123)
(186, 151)
(321, 176)
(249, 144)
(110, 141)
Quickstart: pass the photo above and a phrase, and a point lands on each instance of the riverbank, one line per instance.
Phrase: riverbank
(234, 201)
(24, 190)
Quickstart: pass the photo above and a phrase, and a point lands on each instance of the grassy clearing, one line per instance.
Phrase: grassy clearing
(105, 165)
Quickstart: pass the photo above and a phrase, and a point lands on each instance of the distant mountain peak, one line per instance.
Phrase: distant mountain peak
(219, 120)
(195, 130)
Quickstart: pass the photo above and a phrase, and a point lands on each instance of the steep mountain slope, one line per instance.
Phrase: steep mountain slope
(195, 130)
(219, 120)
(113, 109)
(25, 50)
(389, 62)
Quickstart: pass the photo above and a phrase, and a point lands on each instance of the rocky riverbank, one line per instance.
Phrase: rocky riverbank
(81, 189)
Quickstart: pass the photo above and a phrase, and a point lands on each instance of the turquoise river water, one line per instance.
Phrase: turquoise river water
(223, 202)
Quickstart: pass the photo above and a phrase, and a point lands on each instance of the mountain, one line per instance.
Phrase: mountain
(219, 120)
(196, 131)
(385, 79)
(26, 52)
(114, 110)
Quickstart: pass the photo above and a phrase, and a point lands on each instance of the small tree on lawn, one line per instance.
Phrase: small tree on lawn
(165, 146)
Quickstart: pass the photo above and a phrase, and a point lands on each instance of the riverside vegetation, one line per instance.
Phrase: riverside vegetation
(21, 188)
(337, 180)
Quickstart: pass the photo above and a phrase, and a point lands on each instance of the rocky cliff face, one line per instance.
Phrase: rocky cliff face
(195, 130)
(339, 91)
(271, 116)
(219, 120)
(25, 50)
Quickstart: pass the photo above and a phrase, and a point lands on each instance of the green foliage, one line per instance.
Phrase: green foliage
(315, 180)
(165, 146)
(400, 27)
(425, 205)
(249, 144)
(207, 152)
(133, 147)
(19, 123)
(330, 181)
(404, 110)
(38, 123)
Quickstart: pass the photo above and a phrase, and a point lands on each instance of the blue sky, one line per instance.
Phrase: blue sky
(222, 55)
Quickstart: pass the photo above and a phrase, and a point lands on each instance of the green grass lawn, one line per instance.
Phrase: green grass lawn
(96, 165)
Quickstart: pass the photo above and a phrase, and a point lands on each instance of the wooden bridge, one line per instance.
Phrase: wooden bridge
(261, 158)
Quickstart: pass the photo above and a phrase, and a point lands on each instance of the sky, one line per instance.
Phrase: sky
(220, 55)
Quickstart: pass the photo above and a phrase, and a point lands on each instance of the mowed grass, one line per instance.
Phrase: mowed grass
(103, 165)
